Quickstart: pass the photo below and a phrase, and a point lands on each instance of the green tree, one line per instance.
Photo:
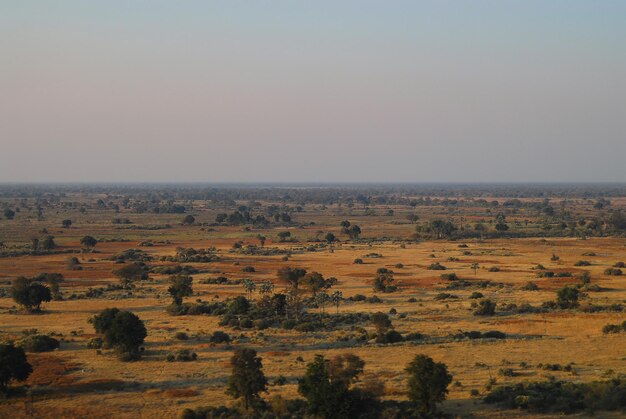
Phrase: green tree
(382, 323)
(189, 219)
(30, 294)
(292, 276)
(13, 365)
(132, 272)
(428, 383)
(326, 386)
(475, 267)
(48, 243)
(9, 214)
(354, 231)
(485, 308)
(122, 330)
(246, 379)
(102, 322)
(249, 286)
(66, 223)
(383, 281)
(88, 242)
(336, 298)
(180, 287)
(567, 297)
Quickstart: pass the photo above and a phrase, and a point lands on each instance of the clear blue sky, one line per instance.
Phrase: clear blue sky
(419, 91)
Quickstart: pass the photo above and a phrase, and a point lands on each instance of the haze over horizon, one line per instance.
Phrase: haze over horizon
(353, 91)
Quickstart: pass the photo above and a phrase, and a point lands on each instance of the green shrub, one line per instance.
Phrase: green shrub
(485, 308)
(39, 343)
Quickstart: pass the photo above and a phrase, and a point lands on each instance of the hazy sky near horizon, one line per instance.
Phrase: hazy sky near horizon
(317, 91)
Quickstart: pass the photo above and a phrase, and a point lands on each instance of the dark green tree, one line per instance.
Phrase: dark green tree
(88, 242)
(567, 297)
(189, 219)
(13, 365)
(132, 272)
(428, 383)
(30, 294)
(126, 333)
(246, 380)
(180, 286)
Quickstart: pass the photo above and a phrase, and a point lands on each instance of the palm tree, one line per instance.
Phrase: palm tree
(475, 267)
(249, 286)
(336, 298)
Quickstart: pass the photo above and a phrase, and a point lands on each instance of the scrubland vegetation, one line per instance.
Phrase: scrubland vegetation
(325, 302)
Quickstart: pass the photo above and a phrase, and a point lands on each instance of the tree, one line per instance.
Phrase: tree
(485, 308)
(382, 324)
(475, 267)
(48, 243)
(88, 242)
(413, 218)
(428, 383)
(53, 280)
(326, 386)
(501, 224)
(30, 294)
(321, 299)
(262, 239)
(13, 365)
(180, 286)
(122, 330)
(249, 285)
(437, 229)
(383, 281)
(189, 219)
(66, 223)
(330, 238)
(283, 235)
(336, 297)
(315, 282)
(354, 231)
(567, 297)
(266, 288)
(291, 275)
(246, 379)
(9, 214)
(102, 322)
(130, 273)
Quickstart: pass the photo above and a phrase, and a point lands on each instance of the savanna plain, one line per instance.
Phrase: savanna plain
(322, 301)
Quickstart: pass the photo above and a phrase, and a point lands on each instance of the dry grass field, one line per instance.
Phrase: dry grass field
(75, 381)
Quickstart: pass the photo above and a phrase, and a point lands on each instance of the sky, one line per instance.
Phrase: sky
(312, 91)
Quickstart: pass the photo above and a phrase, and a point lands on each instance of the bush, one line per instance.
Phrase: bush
(485, 308)
(392, 337)
(613, 272)
(358, 261)
(39, 343)
(449, 277)
(476, 295)
(445, 296)
(530, 286)
(494, 269)
(95, 343)
(181, 336)
(219, 337)
(494, 334)
(436, 267)
(562, 397)
(582, 263)
(249, 269)
(182, 355)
